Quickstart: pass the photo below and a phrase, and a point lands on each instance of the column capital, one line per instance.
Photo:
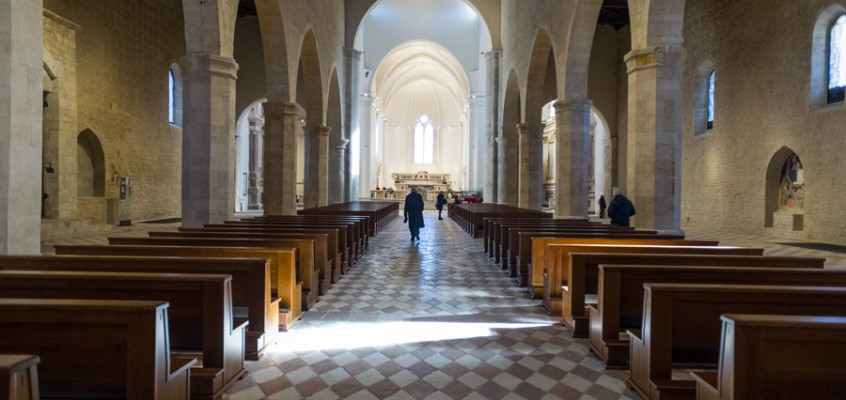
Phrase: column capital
(493, 55)
(350, 52)
(523, 129)
(572, 105)
(504, 141)
(320, 130)
(653, 57)
(338, 142)
(214, 64)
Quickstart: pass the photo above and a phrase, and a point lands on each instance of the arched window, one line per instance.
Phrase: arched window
(837, 60)
(174, 95)
(170, 97)
(424, 141)
(703, 98)
(710, 117)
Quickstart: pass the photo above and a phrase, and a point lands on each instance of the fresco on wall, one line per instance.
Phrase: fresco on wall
(792, 186)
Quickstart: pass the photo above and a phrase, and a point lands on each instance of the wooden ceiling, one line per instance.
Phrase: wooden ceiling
(613, 12)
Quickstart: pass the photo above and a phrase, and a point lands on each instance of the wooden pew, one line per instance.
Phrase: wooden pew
(500, 232)
(494, 225)
(323, 248)
(619, 304)
(565, 288)
(96, 348)
(525, 252)
(306, 272)
(777, 357)
(341, 257)
(471, 216)
(378, 213)
(681, 327)
(264, 284)
(356, 229)
(19, 377)
(356, 226)
(539, 266)
(200, 314)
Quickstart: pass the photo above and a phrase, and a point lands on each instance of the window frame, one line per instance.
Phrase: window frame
(835, 94)
(425, 146)
(710, 104)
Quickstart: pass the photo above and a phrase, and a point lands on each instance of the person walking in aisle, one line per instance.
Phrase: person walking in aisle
(620, 209)
(413, 212)
(440, 203)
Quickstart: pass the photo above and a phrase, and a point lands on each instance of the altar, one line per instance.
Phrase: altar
(428, 185)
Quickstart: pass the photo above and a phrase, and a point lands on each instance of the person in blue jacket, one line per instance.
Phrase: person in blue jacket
(620, 209)
(413, 211)
(440, 203)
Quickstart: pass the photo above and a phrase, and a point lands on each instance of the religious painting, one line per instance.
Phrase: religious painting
(792, 185)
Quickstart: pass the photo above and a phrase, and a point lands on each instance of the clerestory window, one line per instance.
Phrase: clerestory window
(837, 60)
(710, 117)
(424, 141)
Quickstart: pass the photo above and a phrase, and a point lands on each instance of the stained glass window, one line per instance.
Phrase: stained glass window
(424, 141)
(837, 60)
(710, 119)
(170, 97)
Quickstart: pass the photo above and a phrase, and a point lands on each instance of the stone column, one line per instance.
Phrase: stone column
(572, 167)
(338, 171)
(316, 181)
(492, 92)
(531, 168)
(352, 74)
(21, 105)
(507, 171)
(256, 178)
(280, 158)
(654, 130)
(208, 146)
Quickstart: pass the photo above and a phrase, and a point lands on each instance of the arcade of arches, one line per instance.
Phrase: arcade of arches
(275, 105)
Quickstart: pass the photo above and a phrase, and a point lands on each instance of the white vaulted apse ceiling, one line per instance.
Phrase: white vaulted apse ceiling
(421, 77)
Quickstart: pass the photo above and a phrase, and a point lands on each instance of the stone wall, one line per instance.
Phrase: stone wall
(762, 92)
(124, 50)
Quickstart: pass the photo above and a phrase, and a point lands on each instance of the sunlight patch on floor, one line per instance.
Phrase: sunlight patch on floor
(352, 335)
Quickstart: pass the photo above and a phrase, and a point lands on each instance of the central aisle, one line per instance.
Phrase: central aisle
(434, 320)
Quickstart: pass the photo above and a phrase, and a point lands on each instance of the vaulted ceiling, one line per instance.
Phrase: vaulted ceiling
(614, 12)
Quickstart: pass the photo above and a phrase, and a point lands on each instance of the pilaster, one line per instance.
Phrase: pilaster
(572, 166)
(352, 76)
(256, 176)
(208, 148)
(280, 158)
(493, 61)
(507, 173)
(21, 104)
(654, 130)
(337, 168)
(317, 166)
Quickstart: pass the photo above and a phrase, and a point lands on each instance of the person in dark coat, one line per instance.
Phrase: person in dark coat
(413, 211)
(440, 203)
(602, 206)
(620, 209)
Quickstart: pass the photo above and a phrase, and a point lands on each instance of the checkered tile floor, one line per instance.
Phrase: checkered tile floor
(437, 320)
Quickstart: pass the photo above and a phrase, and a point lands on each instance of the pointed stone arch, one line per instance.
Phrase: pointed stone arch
(310, 95)
(541, 88)
(507, 142)
(338, 174)
(773, 185)
(91, 165)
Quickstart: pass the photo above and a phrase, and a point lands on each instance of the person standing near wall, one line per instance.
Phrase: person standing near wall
(413, 212)
(440, 203)
(602, 206)
(620, 209)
